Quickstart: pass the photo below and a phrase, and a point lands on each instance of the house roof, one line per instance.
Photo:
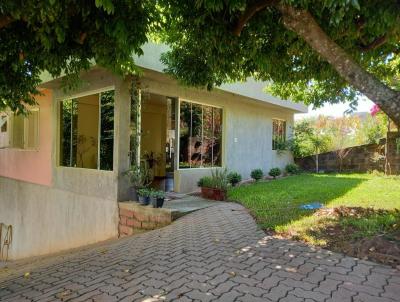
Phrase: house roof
(251, 88)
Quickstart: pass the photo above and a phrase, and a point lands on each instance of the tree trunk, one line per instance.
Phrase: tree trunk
(303, 23)
(317, 163)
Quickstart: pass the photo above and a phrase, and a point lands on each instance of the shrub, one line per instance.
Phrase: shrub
(292, 169)
(257, 174)
(274, 172)
(217, 180)
(205, 181)
(234, 178)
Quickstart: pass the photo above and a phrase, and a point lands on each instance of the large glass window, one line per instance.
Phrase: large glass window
(278, 133)
(87, 131)
(200, 140)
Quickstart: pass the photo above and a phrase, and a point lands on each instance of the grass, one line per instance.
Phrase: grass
(374, 200)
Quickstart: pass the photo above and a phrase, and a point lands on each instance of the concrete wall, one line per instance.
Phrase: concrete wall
(47, 220)
(247, 129)
(359, 158)
(77, 206)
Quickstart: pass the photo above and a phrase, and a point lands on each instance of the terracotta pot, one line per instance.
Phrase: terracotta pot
(214, 194)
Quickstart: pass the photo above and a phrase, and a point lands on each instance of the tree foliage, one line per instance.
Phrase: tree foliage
(309, 139)
(66, 37)
(211, 42)
(206, 51)
(337, 133)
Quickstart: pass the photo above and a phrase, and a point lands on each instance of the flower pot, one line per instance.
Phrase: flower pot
(160, 202)
(144, 200)
(153, 202)
(212, 193)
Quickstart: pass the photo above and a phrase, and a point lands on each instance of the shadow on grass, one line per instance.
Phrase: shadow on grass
(359, 232)
(275, 203)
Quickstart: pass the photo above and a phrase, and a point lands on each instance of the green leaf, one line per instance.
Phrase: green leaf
(355, 4)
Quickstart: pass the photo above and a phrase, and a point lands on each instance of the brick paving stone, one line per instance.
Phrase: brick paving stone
(361, 297)
(201, 296)
(215, 254)
(222, 288)
(291, 298)
(342, 295)
(328, 286)
(278, 292)
(229, 296)
(392, 291)
(251, 298)
(308, 294)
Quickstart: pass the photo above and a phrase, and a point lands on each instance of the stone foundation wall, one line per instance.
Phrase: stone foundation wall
(134, 217)
(359, 159)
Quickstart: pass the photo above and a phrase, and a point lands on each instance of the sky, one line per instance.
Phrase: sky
(337, 110)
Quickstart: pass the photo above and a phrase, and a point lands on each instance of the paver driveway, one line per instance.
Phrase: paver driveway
(215, 254)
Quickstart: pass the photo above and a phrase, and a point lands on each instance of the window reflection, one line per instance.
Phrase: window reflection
(200, 136)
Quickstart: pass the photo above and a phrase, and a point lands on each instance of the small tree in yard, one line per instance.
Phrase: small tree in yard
(309, 140)
(319, 143)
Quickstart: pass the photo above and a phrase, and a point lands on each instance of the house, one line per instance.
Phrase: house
(62, 167)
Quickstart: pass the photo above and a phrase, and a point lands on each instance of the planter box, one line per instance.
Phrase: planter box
(214, 194)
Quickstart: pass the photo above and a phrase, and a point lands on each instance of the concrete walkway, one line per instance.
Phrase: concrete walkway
(214, 254)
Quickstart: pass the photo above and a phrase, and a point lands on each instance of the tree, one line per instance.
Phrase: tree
(66, 37)
(309, 140)
(311, 51)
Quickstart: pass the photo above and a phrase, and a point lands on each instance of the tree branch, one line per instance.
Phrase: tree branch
(250, 12)
(5, 20)
(82, 38)
(304, 25)
(374, 44)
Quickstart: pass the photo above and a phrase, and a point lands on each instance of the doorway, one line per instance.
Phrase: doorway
(158, 139)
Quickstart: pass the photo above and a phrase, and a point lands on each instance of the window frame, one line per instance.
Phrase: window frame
(7, 132)
(178, 133)
(10, 131)
(58, 141)
(285, 128)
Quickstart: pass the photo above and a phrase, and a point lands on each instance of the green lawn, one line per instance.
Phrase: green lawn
(275, 205)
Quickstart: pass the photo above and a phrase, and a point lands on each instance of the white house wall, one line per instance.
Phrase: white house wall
(247, 130)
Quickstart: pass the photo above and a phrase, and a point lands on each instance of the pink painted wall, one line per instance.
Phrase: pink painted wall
(27, 165)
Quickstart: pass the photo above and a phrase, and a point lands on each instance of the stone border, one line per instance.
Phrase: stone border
(134, 217)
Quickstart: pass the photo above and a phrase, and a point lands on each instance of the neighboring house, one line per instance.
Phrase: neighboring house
(61, 167)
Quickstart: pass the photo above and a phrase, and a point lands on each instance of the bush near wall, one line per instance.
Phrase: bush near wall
(362, 158)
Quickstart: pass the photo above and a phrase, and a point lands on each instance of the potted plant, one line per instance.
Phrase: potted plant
(214, 186)
(144, 196)
(157, 198)
(139, 177)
